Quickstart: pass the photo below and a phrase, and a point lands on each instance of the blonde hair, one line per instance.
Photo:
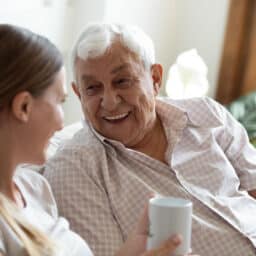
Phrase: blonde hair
(35, 242)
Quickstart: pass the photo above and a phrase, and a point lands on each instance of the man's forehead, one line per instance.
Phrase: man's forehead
(115, 70)
(116, 52)
(113, 65)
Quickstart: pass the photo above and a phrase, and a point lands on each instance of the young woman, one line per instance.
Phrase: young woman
(31, 93)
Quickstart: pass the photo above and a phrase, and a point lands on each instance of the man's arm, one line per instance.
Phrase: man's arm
(236, 146)
(84, 202)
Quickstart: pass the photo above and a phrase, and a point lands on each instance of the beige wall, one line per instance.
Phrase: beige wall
(174, 25)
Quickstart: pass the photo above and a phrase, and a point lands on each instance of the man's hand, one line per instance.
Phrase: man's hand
(166, 248)
(135, 245)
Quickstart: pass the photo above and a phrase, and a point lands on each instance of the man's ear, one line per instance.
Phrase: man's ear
(22, 105)
(157, 75)
(76, 90)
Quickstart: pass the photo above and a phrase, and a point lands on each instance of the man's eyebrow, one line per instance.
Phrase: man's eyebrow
(113, 71)
(86, 78)
(119, 68)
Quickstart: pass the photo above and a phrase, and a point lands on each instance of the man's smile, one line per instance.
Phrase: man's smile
(118, 117)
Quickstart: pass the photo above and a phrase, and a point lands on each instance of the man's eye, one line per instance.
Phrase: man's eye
(92, 89)
(124, 82)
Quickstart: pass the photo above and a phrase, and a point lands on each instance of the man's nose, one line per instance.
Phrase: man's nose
(110, 100)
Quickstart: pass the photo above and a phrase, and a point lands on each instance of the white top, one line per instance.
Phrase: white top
(41, 212)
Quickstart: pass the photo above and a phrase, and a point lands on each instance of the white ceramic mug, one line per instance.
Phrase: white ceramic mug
(170, 216)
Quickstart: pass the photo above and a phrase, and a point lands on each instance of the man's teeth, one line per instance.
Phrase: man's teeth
(116, 117)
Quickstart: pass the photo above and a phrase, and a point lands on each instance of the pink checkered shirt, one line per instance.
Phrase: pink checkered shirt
(101, 186)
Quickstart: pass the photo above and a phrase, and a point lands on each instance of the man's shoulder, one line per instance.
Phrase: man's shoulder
(201, 111)
(196, 102)
(82, 140)
(81, 153)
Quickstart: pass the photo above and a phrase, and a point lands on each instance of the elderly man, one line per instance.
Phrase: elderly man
(132, 144)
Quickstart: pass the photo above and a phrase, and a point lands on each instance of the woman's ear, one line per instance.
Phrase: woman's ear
(157, 75)
(22, 105)
(76, 90)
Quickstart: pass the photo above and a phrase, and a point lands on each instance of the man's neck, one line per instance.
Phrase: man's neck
(154, 143)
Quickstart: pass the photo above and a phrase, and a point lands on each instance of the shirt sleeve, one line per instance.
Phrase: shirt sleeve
(2, 245)
(237, 147)
(83, 200)
(40, 189)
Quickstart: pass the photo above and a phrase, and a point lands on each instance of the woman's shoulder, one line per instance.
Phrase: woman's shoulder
(35, 189)
(31, 179)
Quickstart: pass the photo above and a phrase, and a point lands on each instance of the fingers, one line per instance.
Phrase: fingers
(170, 245)
(166, 248)
(142, 226)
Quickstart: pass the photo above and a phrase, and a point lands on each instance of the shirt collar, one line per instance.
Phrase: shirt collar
(173, 114)
(187, 109)
(102, 138)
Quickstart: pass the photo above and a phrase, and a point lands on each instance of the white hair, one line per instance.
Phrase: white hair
(96, 38)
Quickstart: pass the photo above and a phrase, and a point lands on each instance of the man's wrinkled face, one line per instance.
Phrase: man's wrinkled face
(118, 94)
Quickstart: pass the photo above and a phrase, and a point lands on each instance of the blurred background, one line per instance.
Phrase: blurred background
(174, 25)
